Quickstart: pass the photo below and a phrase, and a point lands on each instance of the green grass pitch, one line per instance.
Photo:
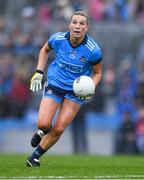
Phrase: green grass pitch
(73, 167)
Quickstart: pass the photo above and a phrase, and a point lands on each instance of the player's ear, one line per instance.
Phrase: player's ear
(69, 26)
(87, 27)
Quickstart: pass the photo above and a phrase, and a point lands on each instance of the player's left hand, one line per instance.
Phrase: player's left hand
(36, 81)
(86, 97)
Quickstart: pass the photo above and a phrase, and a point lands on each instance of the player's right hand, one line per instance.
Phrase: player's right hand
(36, 81)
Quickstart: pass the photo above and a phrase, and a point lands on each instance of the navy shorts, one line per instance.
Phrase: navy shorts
(58, 94)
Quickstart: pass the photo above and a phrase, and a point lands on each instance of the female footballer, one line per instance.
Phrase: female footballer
(76, 54)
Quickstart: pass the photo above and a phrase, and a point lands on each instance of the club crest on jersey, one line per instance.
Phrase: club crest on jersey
(83, 59)
(72, 54)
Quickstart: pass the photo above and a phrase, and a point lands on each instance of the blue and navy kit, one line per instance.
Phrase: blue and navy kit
(71, 62)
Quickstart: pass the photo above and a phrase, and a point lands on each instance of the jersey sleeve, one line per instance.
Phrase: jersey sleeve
(51, 41)
(96, 56)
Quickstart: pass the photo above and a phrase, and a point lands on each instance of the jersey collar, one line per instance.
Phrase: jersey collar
(84, 41)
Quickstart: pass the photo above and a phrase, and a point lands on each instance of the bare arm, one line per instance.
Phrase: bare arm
(97, 69)
(43, 56)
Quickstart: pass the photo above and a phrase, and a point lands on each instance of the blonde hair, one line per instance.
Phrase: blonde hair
(81, 13)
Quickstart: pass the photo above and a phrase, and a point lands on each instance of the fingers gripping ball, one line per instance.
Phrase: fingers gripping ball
(84, 87)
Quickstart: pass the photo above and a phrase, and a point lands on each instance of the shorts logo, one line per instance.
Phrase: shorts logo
(49, 91)
(83, 59)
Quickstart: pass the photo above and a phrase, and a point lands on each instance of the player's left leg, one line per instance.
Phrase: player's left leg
(67, 112)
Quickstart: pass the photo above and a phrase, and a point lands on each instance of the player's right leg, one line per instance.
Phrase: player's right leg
(47, 111)
(38, 135)
(48, 108)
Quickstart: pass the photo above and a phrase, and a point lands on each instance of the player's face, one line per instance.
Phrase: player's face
(78, 26)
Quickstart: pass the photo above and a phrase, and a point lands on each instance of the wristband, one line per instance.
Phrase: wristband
(39, 71)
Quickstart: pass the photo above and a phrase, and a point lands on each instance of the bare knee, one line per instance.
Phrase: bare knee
(43, 125)
(58, 130)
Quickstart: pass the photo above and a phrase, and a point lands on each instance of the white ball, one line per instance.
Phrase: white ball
(83, 86)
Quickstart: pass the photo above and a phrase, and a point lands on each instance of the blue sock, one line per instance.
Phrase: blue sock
(37, 153)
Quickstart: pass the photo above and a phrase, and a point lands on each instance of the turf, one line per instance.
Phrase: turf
(73, 166)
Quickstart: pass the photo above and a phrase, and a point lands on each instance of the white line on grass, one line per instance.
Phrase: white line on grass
(76, 177)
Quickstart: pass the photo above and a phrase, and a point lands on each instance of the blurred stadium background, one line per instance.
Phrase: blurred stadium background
(113, 122)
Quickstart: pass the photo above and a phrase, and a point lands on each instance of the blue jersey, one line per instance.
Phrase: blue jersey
(71, 62)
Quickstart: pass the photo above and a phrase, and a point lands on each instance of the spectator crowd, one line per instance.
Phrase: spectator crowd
(22, 36)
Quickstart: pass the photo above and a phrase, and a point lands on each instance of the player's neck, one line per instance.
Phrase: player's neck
(75, 41)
